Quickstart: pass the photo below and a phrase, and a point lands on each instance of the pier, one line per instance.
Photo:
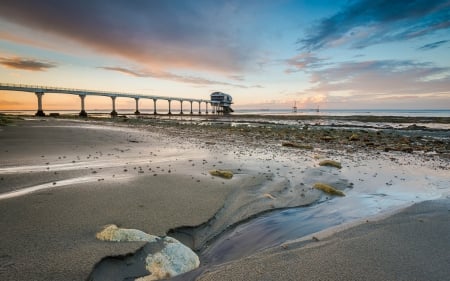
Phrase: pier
(40, 91)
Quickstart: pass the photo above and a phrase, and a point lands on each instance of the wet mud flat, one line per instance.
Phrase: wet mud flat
(428, 135)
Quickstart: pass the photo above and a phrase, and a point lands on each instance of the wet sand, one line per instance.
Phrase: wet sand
(155, 178)
(411, 245)
(50, 234)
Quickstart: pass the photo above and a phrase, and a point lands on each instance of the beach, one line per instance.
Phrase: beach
(410, 245)
(63, 179)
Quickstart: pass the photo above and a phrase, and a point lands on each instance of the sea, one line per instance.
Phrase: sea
(281, 112)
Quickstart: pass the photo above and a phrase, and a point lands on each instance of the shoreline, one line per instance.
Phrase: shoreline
(411, 244)
(179, 153)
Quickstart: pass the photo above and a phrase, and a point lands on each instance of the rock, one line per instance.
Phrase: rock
(328, 189)
(297, 145)
(269, 196)
(174, 259)
(113, 233)
(353, 137)
(416, 127)
(406, 149)
(166, 257)
(327, 138)
(330, 163)
(222, 173)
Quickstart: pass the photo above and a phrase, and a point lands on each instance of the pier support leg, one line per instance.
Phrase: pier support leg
(191, 108)
(206, 107)
(83, 112)
(154, 107)
(199, 108)
(137, 107)
(39, 112)
(170, 112)
(181, 104)
(113, 112)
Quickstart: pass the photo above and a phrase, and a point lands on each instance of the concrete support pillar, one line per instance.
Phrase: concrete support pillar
(199, 108)
(113, 112)
(191, 108)
(206, 107)
(83, 112)
(154, 107)
(213, 108)
(137, 106)
(181, 104)
(39, 112)
(170, 112)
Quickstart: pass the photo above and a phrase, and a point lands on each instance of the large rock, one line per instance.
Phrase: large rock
(174, 259)
(165, 257)
(113, 233)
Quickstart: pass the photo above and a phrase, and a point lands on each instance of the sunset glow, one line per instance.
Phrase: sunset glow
(267, 54)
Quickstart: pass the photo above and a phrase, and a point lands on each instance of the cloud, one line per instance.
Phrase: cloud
(381, 80)
(126, 71)
(368, 22)
(173, 77)
(303, 61)
(8, 103)
(172, 34)
(433, 45)
(26, 64)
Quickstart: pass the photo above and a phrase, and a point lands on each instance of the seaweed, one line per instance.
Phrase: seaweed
(297, 145)
(222, 173)
(328, 189)
(330, 163)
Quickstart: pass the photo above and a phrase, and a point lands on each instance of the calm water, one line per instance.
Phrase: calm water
(324, 112)
(350, 112)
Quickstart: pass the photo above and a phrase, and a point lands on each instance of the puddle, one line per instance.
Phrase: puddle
(371, 198)
(119, 268)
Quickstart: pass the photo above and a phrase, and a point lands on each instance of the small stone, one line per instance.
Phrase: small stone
(330, 163)
(269, 196)
(297, 145)
(353, 137)
(328, 189)
(326, 138)
(222, 173)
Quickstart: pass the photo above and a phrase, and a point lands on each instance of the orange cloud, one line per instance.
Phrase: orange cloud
(26, 64)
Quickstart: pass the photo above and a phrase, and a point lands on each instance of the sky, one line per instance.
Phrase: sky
(363, 54)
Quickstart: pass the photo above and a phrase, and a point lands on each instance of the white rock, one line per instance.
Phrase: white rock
(113, 233)
(173, 258)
